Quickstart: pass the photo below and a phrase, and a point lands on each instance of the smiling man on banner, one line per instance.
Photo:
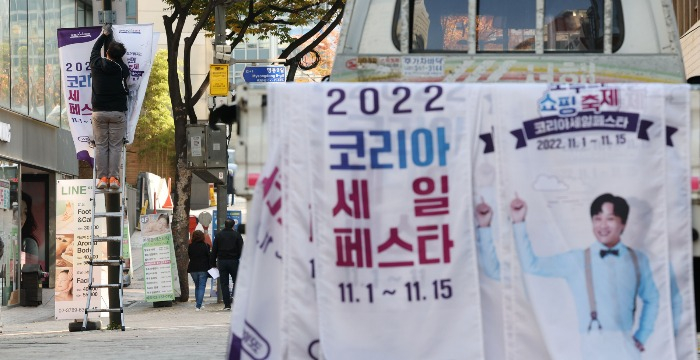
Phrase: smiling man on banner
(109, 105)
(605, 279)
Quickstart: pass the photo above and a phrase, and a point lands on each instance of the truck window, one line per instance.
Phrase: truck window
(577, 26)
(509, 26)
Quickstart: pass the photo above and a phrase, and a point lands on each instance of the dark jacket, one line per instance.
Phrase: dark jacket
(109, 92)
(199, 257)
(228, 244)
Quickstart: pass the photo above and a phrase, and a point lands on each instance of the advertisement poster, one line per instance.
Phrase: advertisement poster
(74, 47)
(558, 215)
(234, 215)
(73, 238)
(160, 267)
(5, 194)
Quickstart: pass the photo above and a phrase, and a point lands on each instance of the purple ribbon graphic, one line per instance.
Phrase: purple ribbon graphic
(607, 121)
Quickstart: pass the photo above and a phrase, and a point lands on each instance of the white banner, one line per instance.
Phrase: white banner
(393, 221)
(571, 160)
(679, 221)
(470, 221)
(74, 47)
(73, 237)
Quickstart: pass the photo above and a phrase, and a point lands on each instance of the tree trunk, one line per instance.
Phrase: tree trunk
(181, 201)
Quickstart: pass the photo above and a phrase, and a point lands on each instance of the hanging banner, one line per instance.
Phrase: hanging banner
(590, 238)
(74, 47)
(160, 266)
(514, 220)
(255, 319)
(679, 221)
(73, 238)
(140, 50)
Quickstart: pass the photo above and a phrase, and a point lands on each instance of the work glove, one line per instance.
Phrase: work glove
(107, 29)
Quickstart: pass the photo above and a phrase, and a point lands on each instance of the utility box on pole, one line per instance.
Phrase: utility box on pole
(206, 153)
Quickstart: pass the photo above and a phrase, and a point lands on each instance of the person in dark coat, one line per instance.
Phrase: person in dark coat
(198, 252)
(226, 253)
(109, 106)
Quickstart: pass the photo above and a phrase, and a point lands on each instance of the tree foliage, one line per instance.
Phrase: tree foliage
(156, 130)
(261, 18)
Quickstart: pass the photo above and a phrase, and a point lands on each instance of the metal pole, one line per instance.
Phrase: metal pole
(112, 204)
(221, 195)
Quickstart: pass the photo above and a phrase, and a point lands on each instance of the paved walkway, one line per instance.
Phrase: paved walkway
(177, 332)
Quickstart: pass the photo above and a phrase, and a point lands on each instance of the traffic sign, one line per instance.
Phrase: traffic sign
(270, 73)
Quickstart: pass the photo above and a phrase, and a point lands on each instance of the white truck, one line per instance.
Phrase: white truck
(552, 41)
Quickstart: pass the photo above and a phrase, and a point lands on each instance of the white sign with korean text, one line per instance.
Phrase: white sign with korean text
(559, 215)
(160, 267)
(5, 194)
(392, 220)
(73, 242)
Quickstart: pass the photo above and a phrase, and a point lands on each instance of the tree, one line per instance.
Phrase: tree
(261, 18)
(156, 130)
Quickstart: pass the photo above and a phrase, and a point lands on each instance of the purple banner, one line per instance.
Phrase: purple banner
(69, 36)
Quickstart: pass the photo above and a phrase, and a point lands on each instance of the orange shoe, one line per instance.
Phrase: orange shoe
(102, 183)
(114, 183)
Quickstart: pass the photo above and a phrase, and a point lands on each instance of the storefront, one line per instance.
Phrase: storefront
(36, 148)
(33, 155)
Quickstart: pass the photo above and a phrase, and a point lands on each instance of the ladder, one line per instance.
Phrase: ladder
(115, 238)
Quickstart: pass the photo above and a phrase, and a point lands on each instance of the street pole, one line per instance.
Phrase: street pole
(112, 204)
(221, 195)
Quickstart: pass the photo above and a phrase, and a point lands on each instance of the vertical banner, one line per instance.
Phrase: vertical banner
(591, 239)
(393, 222)
(300, 324)
(256, 315)
(160, 267)
(469, 221)
(74, 47)
(138, 40)
(73, 238)
(679, 220)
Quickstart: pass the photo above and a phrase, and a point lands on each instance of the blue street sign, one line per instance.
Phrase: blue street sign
(270, 73)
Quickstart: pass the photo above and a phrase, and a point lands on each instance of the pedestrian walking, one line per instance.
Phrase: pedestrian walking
(109, 105)
(225, 255)
(198, 253)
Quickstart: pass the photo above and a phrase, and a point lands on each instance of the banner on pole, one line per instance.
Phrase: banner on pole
(74, 46)
(428, 198)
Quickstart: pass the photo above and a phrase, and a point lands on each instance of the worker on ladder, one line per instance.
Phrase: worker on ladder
(109, 107)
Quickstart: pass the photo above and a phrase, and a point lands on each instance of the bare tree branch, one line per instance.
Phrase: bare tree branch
(189, 41)
(336, 9)
(202, 88)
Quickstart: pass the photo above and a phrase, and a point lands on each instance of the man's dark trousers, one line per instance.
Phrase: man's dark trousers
(227, 267)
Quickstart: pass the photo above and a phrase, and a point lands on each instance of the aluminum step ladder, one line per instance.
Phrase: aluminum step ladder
(99, 239)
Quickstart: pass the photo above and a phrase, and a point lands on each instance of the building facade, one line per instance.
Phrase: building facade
(36, 148)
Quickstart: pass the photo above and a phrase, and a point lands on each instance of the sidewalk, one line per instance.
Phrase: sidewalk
(177, 332)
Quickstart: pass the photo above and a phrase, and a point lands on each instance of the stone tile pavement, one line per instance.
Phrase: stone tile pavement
(177, 332)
